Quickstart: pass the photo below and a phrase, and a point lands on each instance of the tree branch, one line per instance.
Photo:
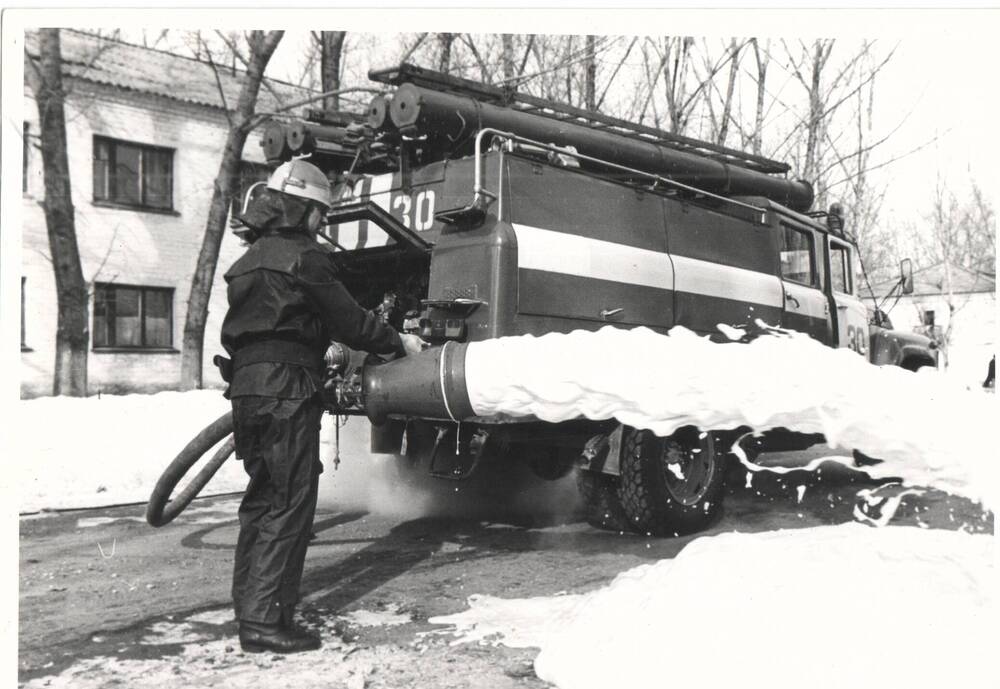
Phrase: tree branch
(600, 101)
(412, 49)
(218, 80)
(261, 117)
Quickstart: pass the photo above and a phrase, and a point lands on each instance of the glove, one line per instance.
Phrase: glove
(413, 344)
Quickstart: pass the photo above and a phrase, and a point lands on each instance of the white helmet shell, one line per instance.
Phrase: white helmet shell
(302, 179)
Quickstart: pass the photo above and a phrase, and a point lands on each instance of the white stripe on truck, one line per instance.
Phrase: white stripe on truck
(570, 254)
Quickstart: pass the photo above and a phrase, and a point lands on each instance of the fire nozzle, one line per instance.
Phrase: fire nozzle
(430, 384)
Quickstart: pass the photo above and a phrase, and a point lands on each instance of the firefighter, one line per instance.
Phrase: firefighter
(285, 306)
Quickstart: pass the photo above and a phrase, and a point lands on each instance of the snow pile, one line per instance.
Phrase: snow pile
(824, 607)
(84, 452)
(928, 429)
(108, 450)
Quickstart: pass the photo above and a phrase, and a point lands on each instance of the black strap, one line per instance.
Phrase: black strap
(277, 351)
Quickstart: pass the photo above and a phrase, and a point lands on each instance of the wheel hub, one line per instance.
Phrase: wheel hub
(688, 469)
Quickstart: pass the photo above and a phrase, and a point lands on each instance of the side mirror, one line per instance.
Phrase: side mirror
(906, 275)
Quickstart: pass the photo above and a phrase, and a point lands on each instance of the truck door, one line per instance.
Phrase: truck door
(851, 316)
(806, 307)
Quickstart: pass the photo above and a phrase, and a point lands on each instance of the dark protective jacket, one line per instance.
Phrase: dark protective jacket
(285, 305)
(285, 288)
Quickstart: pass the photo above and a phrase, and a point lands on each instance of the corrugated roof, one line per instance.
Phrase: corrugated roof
(123, 65)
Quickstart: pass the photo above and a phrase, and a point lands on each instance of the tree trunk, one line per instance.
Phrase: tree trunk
(72, 332)
(444, 60)
(727, 106)
(817, 120)
(590, 76)
(569, 70)
(507, 58)
(674, 81)
(261, 48)
(331, 48)
(758, 123)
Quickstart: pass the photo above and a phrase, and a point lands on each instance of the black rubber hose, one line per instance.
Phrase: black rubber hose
(161, 509)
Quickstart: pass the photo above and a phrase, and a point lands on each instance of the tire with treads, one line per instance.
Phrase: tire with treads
(599, 495)
(671, 486)
(161, 509)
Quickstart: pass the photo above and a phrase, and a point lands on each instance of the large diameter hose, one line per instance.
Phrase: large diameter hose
(161, 509)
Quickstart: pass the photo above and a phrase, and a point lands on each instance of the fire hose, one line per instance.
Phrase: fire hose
(161, 509)
(430, 384)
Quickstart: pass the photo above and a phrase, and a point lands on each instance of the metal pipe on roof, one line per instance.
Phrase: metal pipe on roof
(419, 111)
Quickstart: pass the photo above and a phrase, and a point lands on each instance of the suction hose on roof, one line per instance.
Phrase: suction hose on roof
(161, 509)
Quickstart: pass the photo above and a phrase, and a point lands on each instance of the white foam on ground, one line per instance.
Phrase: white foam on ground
(822, 607)
(390, 617)
(928, 429)
(516, 623)
(172, 633)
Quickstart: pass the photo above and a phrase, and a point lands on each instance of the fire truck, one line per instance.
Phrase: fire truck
(467, 211)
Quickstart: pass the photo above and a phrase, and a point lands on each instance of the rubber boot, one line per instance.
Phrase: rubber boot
(256, 637)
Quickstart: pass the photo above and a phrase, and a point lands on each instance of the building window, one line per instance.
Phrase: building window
(840, 265)
(797, 263)
(927, 317)
(133, 174)
(133, 317)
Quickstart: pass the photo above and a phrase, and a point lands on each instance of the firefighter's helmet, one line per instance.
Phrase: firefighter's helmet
(302, 179)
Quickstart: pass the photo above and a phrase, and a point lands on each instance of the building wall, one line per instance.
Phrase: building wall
(126, 246)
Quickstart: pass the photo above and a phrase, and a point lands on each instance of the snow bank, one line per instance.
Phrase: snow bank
(928, 429)
(108, 450)
(820, 607)
(74, 452)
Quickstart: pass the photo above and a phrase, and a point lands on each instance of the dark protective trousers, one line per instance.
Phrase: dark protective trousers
(278, 441)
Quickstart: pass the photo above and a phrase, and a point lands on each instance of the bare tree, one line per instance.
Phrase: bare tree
(727, 102)
(72, 330)
(507, 60)
(241, 122)
(590, 75)
(675, 65)
(331, 51)
(960, 232)
(813, 85)
(981, 234)
(762, 57)
(445, 41)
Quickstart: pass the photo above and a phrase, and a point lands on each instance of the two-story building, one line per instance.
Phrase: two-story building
(145, 131)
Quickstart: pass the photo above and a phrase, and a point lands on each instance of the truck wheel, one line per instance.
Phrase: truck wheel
(671, 486)
(601, 507)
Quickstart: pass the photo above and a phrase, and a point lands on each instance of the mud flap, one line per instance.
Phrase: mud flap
(387, 438)
(602, 453)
